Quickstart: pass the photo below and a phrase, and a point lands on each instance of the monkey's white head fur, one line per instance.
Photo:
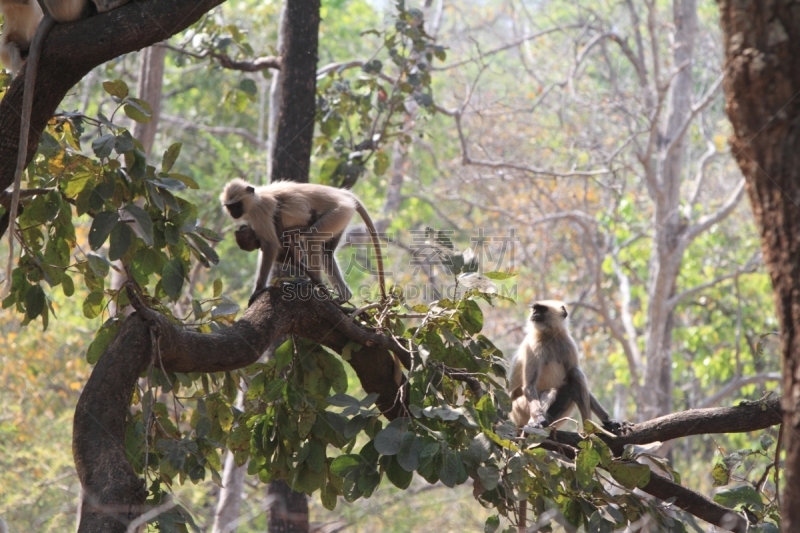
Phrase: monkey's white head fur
(234, 191)
(549, 316)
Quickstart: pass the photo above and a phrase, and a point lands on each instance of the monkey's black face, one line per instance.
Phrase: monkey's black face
(548, 310)
(539, 313)
(235, 209)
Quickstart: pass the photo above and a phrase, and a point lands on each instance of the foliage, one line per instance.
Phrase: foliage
(358, 115)
(301, 420)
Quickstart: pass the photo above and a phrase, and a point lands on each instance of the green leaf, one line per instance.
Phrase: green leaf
(34, 302)
(121, 239)
(283, 355)
(93, 305)
(170, 156)
(345, 465)
(410, 449)
(169, 184)
(124, 142)
(104, 145)
(248, 86)
(489, 476)
(399, 477)
(497, 275)
(138, 110)
(328, 170)
(448, 472)
(116, 88)
(101, 341)
(585, 463)
(172, 278)
(381, 163)
(98, 264)
(744, 494)
(630, 475)
(67, 286)
(143, 220)
(204, 247)
(471, 317)
(492, 524)
(102, 225)
(217, 287)
(387, 442)
(77, 183)
(189, 182)
(720, 475)
(487, 413)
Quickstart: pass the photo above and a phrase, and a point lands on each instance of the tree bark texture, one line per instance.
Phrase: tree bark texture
(762, 81)
(113, 494)
(292, 154)
(288, 509)
(668, 248)
(293, 107)
(150, 89)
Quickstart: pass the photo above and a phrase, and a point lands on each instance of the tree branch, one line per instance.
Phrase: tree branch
(748, 267)
(747, 416)
(114, 494)
(244, 133)
(709, 220)
(72, 50)
(736, 384)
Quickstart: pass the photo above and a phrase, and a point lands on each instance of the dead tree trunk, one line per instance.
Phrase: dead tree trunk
(762, 81)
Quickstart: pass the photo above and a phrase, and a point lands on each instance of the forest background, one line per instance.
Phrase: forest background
(530, 138)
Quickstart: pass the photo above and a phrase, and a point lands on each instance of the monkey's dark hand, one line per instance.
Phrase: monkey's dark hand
(617, 427)
(256, 294)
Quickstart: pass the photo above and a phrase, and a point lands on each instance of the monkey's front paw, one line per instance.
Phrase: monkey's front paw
(617, 427)
(255, 295)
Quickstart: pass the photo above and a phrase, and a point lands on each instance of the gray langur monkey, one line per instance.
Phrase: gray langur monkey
(26, 28)
(546, 380)
(322, 209)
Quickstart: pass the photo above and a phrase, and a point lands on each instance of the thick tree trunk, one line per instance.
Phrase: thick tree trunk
(294, 92)
(113, 493)
(762, 81)
(151, 83)
(298, 90)
(288, 509)
(667, 252)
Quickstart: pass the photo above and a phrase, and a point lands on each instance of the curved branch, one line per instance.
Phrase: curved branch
(114, 495)
(747, 416)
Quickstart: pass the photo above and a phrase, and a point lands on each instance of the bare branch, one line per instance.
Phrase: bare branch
(747, 268)
(709, 220)
(747, 416)
(696, 109)
(244, 133)
(250, 65)
(508, 46)
(625, 310)
(736, 384)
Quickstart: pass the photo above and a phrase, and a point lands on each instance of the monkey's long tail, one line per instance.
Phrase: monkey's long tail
(31, 67)
(376, 243)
